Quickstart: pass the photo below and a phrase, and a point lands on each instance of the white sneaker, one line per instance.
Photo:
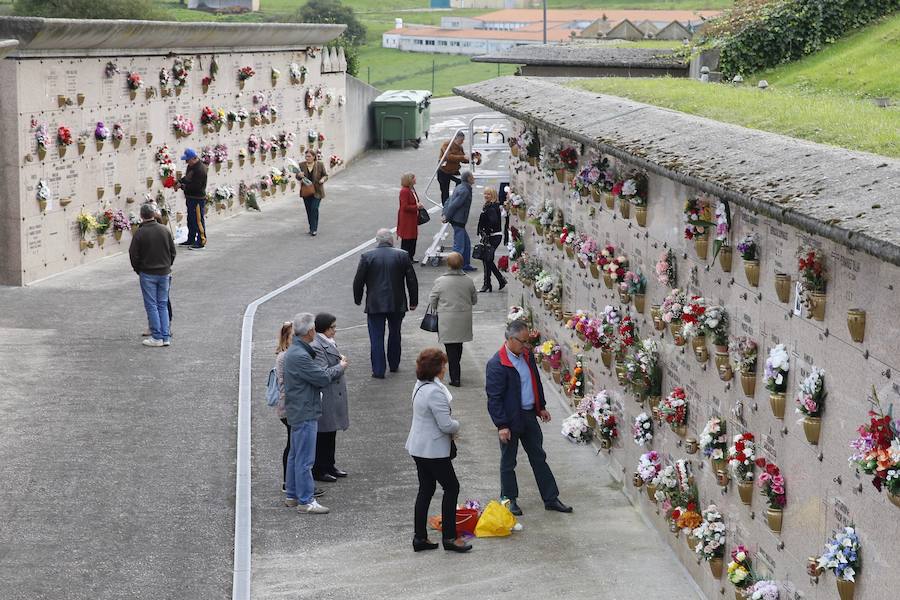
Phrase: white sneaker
(167, 343)
(313, 508)
(153, 343)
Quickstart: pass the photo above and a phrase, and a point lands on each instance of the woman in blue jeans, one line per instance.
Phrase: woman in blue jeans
(312, 176)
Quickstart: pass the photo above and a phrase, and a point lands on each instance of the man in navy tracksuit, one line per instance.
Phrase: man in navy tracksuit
(194, 185)
(515, 400)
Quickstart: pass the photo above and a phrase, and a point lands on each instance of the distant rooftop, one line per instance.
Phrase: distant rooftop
(527, 15)
(586, 55)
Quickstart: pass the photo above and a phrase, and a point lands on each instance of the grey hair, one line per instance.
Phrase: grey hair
(148, 210)
(466, 175)
(515, 328)
(303, 323)
(459, 134)
(384, 235)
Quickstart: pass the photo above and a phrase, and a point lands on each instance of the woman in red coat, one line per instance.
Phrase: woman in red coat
(408, 215)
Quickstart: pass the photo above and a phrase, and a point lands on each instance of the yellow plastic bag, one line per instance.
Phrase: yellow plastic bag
(495, 521)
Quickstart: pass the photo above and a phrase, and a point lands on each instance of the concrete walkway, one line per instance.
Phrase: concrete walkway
(117, 461)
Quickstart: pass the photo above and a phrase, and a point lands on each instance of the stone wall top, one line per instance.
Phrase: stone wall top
(846, 196)
(585, 55)
(38, 36)
(7, 46)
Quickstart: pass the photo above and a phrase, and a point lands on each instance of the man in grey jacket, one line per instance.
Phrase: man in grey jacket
(456, 212)
(303, 383)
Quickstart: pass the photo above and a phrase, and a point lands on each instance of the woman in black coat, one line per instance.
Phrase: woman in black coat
(490, 228)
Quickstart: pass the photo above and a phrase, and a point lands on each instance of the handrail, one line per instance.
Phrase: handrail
(437, 166)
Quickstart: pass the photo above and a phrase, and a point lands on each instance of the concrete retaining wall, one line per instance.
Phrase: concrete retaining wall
(359, 123)
(822, 492)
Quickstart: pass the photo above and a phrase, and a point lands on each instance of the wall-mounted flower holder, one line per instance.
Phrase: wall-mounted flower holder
(65, 201)
(117, 188)
(656, 315)
(179, 216)
(716, 566)
(748, 383)
(79, 98)
(722, 478)
(118, 235)
(100, 192)
(701, 245)
(62, 150)
(132, 94)
(605, 444)
(81, 147)
(63, 101)
(101, 239)
(691, 445)
(725, 256)
(149, 137)
(606, 358)
(639, 300)
(817, 304)
(651, 492)
(230, 163)
(41, 152)
(150, 92)
(640, 215)
(676, 328)
(812, 567)
(149, 182)
(178, 175)
(99, 145)
(42, 204)
(845, 589)
(812, 428)
(774, 517)
(777, 403)
(723, 366)
(698, 343)
(609, 200)
(85, 244)
(625, 209)
(129, 200)
(751, 270)
(856, 323)
(178, 91)
(607, 280)
(745, 491)
(680, 430)
(783, 287)
(133, 140)
(636, 480)
(164, 92)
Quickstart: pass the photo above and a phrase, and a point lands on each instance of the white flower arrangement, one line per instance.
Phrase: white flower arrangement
(43, 191)
(642, 429)
(711, 534)
(763, 590)
(223, 192)
(649, 466)
(576, 429)
(545, 282)
(713, 440)
(811, 393)
(777, 366)
(517, 313)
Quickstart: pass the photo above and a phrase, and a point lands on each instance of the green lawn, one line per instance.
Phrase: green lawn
(864, 64)
(830, 119)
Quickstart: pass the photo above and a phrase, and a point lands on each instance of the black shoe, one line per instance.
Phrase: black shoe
(484, 289)
(318, 492)
(328, 477)
(186, 244)
(314, 233)
(394, 369)
(455, 383)
(338, 473)
(514, 508)
(196, 247)
(377, 376)
(558, 506)
(457, 545)
(426, 544)
(502, 285)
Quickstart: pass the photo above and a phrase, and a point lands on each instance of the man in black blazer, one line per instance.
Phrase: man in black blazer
(382, 273)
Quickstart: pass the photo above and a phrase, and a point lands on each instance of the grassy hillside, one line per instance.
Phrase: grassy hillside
(865, 64)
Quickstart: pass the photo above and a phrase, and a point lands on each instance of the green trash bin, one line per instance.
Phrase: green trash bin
(402, 116)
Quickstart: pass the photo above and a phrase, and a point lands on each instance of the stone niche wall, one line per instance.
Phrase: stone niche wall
(823, 493)
(73, 89)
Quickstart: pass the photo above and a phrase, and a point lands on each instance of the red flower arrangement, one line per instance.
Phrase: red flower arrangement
(321, 137)
(206, 81)
(245, 73)
(812, 270)
(569, 157)
(134, 81)
(607, 254)
(63, 136)
(617, 188)
(877, 451)
(207, 115)
(674, 407)
(771, 482)
(693, 310)
(626, 335)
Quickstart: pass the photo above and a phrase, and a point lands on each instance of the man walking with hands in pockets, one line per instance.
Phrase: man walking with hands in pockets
(515, 400)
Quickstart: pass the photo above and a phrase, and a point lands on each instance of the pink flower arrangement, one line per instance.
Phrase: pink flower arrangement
(182, 125)
(772, 483)
(665, 269)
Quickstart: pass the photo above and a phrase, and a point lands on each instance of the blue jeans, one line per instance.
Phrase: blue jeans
(462, 244)
(299, 484)
(376, 340)
(312, 212)
(155, 290)
(196, 221)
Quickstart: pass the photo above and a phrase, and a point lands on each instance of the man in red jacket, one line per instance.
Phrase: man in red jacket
(515, 399)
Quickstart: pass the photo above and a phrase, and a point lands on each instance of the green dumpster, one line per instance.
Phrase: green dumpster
(402, 115)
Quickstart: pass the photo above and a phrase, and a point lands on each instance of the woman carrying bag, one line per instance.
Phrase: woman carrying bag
(490, 228)
(408, 215)
(312, 177)
(335, 412)
(452, 298)
(431, 445)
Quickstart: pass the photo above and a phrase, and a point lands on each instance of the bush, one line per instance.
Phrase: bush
(88, 9)
(332, 11)
(757, 34)
(351, 53)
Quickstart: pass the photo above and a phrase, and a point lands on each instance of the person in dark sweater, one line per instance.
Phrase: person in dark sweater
(490, 229)
(194, 185)
(152, 254)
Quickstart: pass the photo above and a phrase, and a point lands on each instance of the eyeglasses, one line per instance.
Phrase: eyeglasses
(524, 342)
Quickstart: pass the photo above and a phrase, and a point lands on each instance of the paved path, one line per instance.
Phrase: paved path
(117, 461)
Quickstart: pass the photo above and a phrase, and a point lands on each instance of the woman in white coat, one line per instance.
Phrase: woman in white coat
(431, 445)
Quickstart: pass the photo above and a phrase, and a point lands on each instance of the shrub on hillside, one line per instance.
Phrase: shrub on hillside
(87, 9)
(757, 34)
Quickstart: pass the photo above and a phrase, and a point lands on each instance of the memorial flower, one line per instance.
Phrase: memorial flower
(742, 457)
(674, 407)
(697, 217)
(777, 366)
(739, 569)
(276, 74)
(86, 223)
(748, 247)
(649, 466)
(812, 270)
(180, 70)
(633, 283)
(714, 323)
(673, 306)
(164, 78)
(642, 372)
(119, 221)
(182, 125)
(743, 352)
(607, 422)
(111, 69)
(841, 555)
(245, 73)
(711, 534)
(675, 488)
(118, 132)
(206, 155)
(692, 314)
(43, 191)
(772, 483)
(642, 429)
(811, 393)
(134, 81)
(616, 267)
(220, 153)
(763, 590)
(208, 116)
(713, 442)
(296, 72)
(335, 160)
(877, 449)
(206, 81)
(665, 269)
(518, 313)
(223, 193)
(42, 137)
(321, 137)
(253, 143)
(625, 336)
(101, 131)
(310, 100)
(634, 189)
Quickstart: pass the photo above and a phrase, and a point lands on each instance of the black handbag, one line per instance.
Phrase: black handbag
(479, 251)
(424, 217)
(430, 321)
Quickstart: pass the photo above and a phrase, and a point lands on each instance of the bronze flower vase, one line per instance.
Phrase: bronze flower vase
(640, 215)
(639, 303)
(610, 200)
(725, 256)
(723, 366)
(751, 270)
(745, 491)
(783, 287)
(607, 280)
(776, 402)
(812, 427)
(606, 357)
(651, 492)
(595, 270)
(715, 567)
(676, 328)
(698, 343)
(845, 589)
(625, 208)
(561, 175)
(701, 245)
(894, 498)
(817, 305)
(774, 518)
(856, 323)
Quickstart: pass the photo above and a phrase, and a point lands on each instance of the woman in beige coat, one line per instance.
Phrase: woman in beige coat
(453, 297)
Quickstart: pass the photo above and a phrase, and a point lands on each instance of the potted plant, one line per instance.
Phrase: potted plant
(741, 461)
(777, 367)
(811, 402)
(773, 487)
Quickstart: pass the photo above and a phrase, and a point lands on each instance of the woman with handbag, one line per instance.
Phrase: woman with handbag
(335, 411)
(490, 228)
(408, 215)
(452, 298)
(312, 177)
(431, 445)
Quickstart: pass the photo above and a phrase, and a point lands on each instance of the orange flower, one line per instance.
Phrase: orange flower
(884, 460)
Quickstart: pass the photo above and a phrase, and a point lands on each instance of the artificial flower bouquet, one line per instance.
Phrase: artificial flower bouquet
(134, 81)
(686, 518)
(607, 422)
(674, 407)
(119, 221)
(749, 247)
(64, 136)
(518, 313)
(529, 267)
(692, 314)
(577, 430)
(615, 268)
(182, 125)
(744, 354)
(673, 306)
(812, 270)
(697, 217)
(103, 220)
(742, 457)
(642, 429)
(765, 589)
(633, 283)
(740, 572)
(842, 555)
(778, 364)
(245, 73)
(811, 394)
(665, 269)
(625, 338)
(649, 466)
(772, 484)
(101, 132)
(710, 534)
(877, 450)
(552, 353)
(642, 371)
(576, 380)
(86, 223)
(634, 189)
(713, 442)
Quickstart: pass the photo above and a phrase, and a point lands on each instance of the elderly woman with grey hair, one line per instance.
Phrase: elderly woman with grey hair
(304, 380)
(453, 297)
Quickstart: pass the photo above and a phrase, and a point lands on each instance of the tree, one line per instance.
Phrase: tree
(87, 9)
(351, 53)
(332, 11)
